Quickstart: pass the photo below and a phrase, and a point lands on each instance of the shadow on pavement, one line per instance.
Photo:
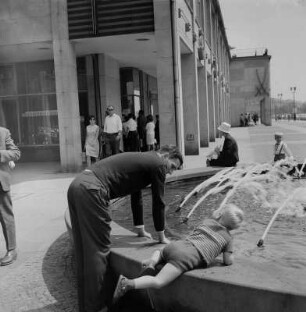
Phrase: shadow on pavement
(59, 276)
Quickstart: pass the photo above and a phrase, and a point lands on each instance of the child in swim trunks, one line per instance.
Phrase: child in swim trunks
(208, 240)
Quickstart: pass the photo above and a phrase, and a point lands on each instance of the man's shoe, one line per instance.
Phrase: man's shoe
(9, 258)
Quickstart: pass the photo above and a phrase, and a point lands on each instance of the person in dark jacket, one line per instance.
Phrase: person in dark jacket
(88, 200)
(228, 155)
(141, 129)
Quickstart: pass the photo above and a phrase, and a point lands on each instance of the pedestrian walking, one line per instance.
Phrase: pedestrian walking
(242, 122)
(157, 135)
(92, 146)
(88, 200)
(132, 137)
(112, 132)
(9, 153)
(150, 133)
(141, 128)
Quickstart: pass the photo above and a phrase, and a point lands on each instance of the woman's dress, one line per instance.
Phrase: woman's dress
(92, 141)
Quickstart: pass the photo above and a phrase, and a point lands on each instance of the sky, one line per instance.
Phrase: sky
(279, 26)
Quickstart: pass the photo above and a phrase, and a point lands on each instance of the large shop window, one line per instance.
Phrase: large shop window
(28, 103)
(39, 120)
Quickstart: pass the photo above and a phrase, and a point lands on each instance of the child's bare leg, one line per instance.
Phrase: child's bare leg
(167, 274)
(153, 261)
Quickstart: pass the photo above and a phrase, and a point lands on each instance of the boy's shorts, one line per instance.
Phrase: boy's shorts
(183, 255)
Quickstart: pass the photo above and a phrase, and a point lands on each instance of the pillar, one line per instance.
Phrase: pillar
(66, 89)
(211, 108)
(190, 104)
(216, 104)
(109, 77)
(165, 72)
(203, 107)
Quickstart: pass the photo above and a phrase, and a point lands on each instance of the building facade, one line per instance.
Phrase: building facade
(63, 60)
(250, 86)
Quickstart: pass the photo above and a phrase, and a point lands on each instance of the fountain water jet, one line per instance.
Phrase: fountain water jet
(262, 279)
(261, 241)
(199, 188)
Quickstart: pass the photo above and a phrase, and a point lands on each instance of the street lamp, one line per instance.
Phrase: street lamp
(293, 90)
(280, 95)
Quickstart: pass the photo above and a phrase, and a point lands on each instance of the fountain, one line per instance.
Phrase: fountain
(269, 271)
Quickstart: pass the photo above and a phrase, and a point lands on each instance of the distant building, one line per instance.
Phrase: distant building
(63, 60)
(250, 85)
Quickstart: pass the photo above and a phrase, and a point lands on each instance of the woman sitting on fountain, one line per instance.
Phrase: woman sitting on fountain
(208, 240)
(227, 156)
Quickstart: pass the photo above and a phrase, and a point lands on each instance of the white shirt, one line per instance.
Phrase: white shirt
(131, 124)
(112, 124)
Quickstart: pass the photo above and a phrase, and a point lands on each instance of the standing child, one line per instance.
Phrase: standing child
(209, 239)
(281, 150)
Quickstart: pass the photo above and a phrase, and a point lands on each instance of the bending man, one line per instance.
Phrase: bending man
(88, 198)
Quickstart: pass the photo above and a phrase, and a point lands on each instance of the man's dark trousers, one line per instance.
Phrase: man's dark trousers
(7, 219)
(89, 212)
(111, 144)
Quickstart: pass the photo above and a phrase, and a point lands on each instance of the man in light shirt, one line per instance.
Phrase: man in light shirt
(112, 131)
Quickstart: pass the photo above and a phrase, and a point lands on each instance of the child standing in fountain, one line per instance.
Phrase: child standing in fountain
(281, 150)
(208, 240)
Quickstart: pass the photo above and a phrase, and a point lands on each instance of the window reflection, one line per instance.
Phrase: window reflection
(28, 101)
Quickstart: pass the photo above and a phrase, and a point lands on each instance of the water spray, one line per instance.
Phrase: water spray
(261, 241)
(236, 185)
(216, 189)
(199, 188)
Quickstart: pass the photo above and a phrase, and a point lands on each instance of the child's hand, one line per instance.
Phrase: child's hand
(11, 164)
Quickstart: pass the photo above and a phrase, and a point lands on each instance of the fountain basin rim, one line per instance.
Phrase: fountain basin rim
(254, 289)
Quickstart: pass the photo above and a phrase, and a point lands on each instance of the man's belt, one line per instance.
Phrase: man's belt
(111, 134)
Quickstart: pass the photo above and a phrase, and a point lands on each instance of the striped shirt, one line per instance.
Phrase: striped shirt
(211, 239)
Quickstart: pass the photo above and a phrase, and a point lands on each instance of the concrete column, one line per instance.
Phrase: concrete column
(165, 73)
(216, 105)
(190, 104)
(66, 89)
(211, 108)
(90, 86)
(203, 107)
(221, 106)
(109, 74)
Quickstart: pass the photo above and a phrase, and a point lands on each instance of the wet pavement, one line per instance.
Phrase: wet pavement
(42, 279)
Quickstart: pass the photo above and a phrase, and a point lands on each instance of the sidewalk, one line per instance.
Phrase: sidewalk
(42, 278)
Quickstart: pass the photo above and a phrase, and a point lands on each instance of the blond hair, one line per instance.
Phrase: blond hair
(231, 217)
